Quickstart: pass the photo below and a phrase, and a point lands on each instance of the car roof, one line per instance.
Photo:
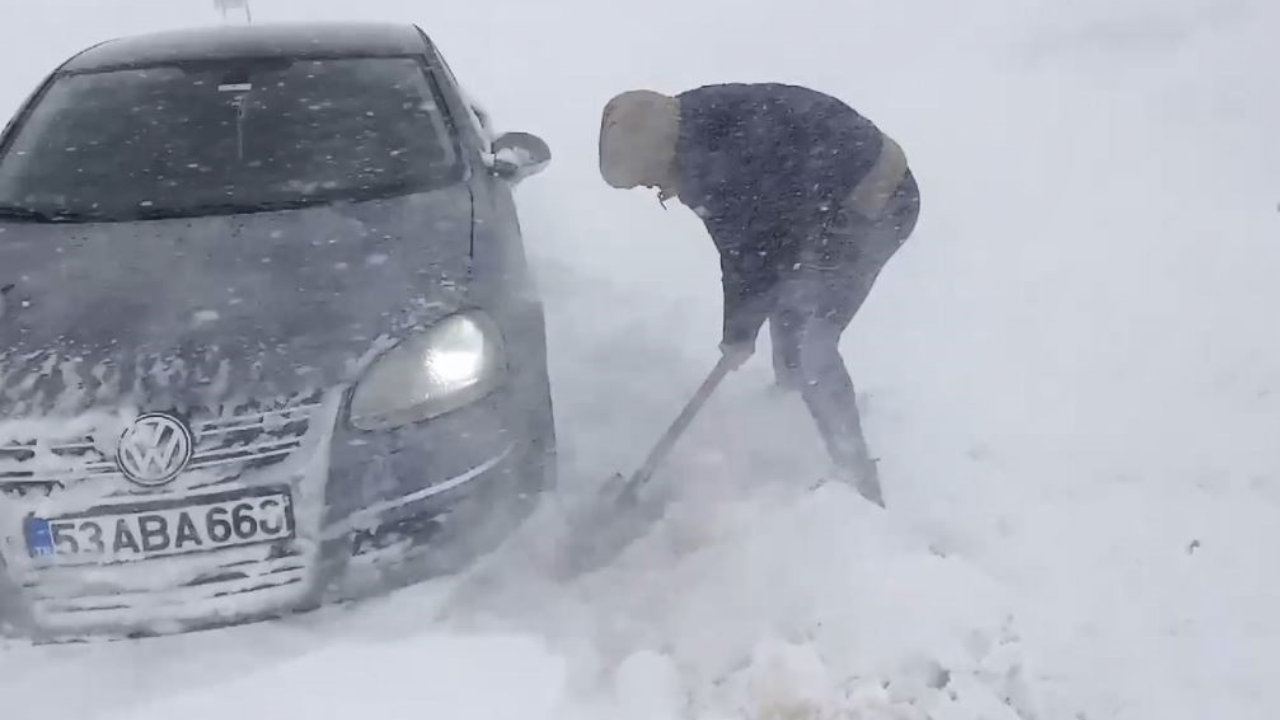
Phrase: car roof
(316, 39)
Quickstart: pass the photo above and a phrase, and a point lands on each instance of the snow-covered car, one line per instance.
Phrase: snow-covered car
(267, 324)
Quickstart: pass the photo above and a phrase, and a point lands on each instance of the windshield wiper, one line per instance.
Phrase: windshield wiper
(230, 208)
(19, 212)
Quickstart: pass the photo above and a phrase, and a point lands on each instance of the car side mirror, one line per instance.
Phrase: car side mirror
(518, 155)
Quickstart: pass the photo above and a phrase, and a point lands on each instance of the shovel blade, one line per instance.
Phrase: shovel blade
(614, 519)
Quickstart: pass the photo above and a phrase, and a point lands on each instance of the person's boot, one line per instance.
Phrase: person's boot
(856, 466)
(868, 483)
(861, 476)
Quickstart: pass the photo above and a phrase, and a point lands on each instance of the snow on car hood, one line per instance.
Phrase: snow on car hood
(199, 310)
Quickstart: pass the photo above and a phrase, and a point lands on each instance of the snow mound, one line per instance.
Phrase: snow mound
(779, 603)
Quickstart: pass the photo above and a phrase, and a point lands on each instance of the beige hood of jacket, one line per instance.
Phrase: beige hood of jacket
(639, 131)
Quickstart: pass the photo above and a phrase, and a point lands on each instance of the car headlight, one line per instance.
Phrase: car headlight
(453, 363)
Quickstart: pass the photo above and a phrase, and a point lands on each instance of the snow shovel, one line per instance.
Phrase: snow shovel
(618, 516)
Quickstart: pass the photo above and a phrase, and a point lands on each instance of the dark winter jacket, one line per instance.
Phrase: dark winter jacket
(766, 167)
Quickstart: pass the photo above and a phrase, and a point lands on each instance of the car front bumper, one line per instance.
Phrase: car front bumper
(352, 495)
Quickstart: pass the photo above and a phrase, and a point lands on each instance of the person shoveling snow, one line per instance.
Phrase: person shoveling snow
(805, 199)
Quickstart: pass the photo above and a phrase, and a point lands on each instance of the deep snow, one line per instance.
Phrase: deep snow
(1069, 373)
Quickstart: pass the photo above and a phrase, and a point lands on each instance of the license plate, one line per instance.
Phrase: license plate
(198, 525)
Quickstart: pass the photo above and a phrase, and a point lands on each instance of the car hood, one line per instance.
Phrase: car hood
(207, 310)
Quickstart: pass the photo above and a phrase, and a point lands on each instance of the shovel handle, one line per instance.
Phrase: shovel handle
(681, 423)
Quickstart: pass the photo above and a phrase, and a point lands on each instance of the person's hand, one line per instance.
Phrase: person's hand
(737, 354)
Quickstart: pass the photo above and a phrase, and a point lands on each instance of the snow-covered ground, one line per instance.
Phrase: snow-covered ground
(1072, 377)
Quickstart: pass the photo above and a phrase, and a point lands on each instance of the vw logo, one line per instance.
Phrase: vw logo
(154, 450)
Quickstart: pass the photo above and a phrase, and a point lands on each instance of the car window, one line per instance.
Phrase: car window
(229, 136)
(477, 117)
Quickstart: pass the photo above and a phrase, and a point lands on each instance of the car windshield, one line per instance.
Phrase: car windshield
(227, 136)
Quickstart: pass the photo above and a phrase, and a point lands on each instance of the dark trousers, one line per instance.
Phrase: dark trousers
(815, 303)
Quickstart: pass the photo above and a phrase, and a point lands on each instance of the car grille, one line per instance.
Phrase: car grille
(250, 437)
(122, 594)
